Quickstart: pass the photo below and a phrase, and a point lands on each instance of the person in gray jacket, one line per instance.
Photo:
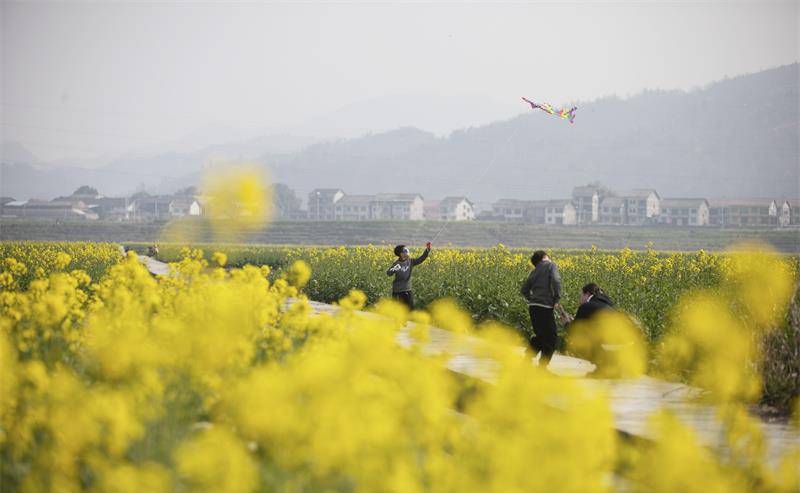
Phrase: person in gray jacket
(542, 290)
(401, 269)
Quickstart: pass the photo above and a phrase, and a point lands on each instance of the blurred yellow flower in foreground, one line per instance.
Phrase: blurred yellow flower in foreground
(208, 379)
(238, 200)
(613, 342)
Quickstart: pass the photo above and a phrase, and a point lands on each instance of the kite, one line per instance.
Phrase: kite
(563, 113)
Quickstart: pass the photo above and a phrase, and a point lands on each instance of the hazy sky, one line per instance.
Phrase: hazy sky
(81, 79)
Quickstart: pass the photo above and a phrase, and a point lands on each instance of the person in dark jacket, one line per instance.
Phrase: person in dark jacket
(542, 290)
(580, 328)
(401, 269)
(593, 299)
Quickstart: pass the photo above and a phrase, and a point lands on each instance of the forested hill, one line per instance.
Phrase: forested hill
(735, 137)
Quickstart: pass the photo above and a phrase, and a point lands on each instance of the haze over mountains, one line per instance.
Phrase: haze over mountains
(735, 137)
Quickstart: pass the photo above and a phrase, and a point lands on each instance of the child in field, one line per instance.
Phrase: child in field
(401, 269)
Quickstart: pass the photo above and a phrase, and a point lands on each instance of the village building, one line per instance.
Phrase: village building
(586, 200)
(353, 208)
(613, 211)
(684, 212)
(184, 206)
(431, 210)
(402, 206)
(743, 212)
(43, 209)
(789, 212)
(322, 202)
(535, 211)
(456, 209)
(332, 204)
(153, 209)
(510, 209)
(642, 206)
(561, 212)
(114, 208)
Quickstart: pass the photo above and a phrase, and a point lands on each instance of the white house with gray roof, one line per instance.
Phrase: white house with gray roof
(560, 212)
(789, 212)
(456, 209)
(403, 206)
(642, 206)
(353, 208)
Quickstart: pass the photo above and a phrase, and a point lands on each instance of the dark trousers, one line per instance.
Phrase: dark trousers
(544, 337)
(406, 298)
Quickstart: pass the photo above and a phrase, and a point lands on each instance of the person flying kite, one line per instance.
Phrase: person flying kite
(563, 113)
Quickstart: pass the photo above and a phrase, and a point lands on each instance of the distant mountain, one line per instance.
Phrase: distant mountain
(437, 113)
(200, 138)
(25, 181)
(164, 172)
(736, 137)
(171, 165)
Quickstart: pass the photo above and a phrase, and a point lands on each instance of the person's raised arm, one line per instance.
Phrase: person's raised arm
(421, 258)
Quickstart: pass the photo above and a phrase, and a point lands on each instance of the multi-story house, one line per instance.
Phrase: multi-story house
(332, 204)
(321, 203)
(684, 212)
(586, 200)
(535, 211)
(743, 212)
(642, 206)
(456, 209)
(613, 211)
(510, 209)
(789, 212)
(403, 206)
(353, 208)
(561, 212)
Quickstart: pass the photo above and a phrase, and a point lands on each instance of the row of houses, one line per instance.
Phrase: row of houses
(108, 208)
(588, 205)
(333, 204)
(596, 205)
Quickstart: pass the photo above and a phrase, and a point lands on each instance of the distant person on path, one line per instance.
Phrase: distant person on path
(593, 300)
(542, 290)
(401, 269)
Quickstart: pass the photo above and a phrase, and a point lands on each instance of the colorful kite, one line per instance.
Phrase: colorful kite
(563, 113)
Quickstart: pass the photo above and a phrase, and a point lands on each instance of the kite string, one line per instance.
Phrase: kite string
(481, 177)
